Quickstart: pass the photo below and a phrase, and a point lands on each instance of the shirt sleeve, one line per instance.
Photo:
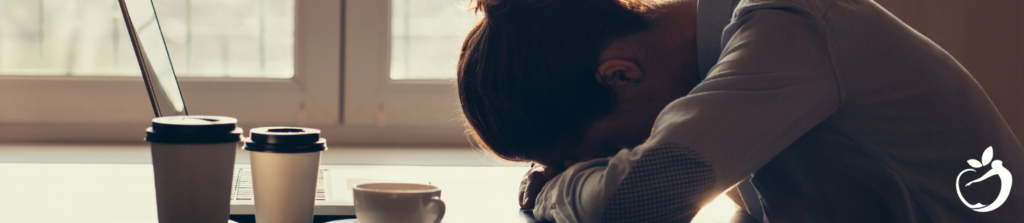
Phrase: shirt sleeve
(773, 83)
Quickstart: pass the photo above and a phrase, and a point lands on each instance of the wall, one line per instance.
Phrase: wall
(985, 36)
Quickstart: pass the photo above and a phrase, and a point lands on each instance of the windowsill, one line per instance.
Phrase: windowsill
(139, 154)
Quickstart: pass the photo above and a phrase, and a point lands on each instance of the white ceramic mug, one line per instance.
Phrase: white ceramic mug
(398, 203)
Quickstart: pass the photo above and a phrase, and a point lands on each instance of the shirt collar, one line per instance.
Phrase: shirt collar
(712, 17)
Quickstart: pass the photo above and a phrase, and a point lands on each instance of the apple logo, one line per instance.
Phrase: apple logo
(997, 170)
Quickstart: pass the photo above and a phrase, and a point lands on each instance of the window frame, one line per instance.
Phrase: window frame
(379, 110)
(342, 48)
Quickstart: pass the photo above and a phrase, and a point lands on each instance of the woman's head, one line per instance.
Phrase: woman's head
(529, 75)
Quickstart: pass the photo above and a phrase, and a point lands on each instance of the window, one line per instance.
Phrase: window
(295, 81)
(386, 103)
(337, 48)
(222, 38)
(426, 37)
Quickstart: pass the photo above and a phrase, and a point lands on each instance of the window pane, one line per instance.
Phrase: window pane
(206, 38)
(426, 37)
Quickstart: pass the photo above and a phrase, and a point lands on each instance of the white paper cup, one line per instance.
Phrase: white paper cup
(285, 163)
(398, 203)
(193, 159)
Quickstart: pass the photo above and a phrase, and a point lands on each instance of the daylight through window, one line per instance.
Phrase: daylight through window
(206, 38)
(426, 37)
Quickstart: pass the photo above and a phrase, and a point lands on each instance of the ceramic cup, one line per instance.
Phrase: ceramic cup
(398, 203)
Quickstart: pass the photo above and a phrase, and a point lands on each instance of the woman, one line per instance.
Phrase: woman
(544, 93)
(839, 110)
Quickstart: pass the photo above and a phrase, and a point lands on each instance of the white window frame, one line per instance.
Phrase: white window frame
(375, 110)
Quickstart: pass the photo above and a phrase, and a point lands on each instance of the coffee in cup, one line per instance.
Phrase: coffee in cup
(193, 159)
(398, 203)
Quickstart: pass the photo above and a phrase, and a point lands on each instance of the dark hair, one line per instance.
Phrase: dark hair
(526, 75)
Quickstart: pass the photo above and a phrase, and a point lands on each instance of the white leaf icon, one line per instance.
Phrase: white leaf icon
(974, 163)
(986, 157)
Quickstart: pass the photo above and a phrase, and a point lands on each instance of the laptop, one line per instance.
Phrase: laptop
(334, 185)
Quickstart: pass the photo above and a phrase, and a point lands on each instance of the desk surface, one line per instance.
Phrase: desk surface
(123, 192)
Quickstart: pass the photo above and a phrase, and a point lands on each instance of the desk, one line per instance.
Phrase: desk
(123, 193)
(42, 192)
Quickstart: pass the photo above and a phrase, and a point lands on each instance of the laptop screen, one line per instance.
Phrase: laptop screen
(154, 60)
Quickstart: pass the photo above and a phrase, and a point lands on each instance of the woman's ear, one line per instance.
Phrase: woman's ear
(617, 72)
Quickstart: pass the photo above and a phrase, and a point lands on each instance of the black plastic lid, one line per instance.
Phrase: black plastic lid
(194, 129)
(282, 139)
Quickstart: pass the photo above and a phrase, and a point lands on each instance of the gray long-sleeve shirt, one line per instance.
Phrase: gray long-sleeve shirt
(840, 112)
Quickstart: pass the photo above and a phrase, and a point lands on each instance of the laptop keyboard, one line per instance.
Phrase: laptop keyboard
(241, 185)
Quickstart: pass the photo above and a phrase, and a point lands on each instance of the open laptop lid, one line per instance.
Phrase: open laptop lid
(154, 61)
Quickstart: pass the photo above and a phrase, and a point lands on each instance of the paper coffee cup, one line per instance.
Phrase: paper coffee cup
(193, 159)
(285, 162)
(398, 203)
